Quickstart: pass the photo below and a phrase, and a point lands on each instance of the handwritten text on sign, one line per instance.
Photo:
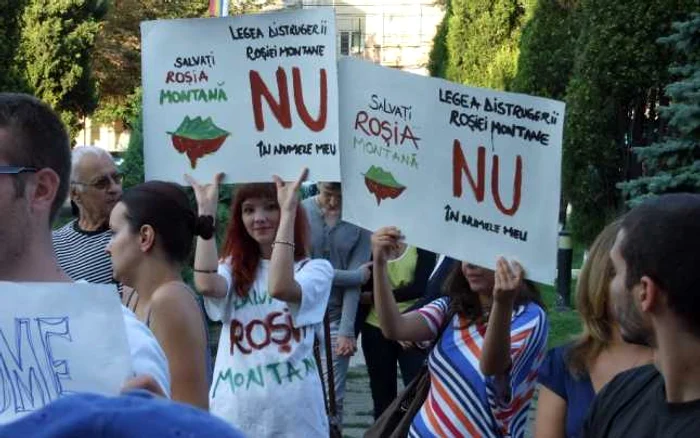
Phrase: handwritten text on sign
(53, 342)
(252, 96)
(467, 172)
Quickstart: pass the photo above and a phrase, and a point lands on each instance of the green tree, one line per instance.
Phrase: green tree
(617, 84)
(54, 54)
(117, 61)
(673, 164)
(439, 53)
(10, 11)
(482, 41)
(547, 48)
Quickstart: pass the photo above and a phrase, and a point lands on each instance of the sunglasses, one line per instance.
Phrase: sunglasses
(16, 170)
(104, 182)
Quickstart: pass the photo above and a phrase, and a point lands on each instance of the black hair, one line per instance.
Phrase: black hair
(465, 302)
(37, 138)
(662, 241)
(166, 207)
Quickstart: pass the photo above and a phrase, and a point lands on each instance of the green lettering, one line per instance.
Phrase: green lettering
(291, 372)
(223, 377)
(273, 368)
(309, 365)
(255, 376)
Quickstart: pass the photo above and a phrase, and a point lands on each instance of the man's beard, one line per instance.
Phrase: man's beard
(633, 328)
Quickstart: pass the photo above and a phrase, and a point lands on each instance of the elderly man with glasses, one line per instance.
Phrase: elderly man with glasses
(95, 188)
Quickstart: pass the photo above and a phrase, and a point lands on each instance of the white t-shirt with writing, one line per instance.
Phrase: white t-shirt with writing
(266, 380)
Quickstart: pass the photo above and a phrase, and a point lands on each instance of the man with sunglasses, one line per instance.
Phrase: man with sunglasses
(95, 188)
(35, 166)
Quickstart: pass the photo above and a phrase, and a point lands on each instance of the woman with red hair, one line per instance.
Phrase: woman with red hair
(271, 300)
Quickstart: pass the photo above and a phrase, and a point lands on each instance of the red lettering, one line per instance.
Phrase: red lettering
(296, 332)
(408, 134)
(360, 123)
(278, 328)
(517, 184)
(275, 323)
(375, 126)
(169, 77)
(460, 164)
(320, 122)
(249, 334)
(280, 109)
(237, 336)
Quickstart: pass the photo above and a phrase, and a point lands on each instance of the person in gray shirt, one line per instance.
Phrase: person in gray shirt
(348, 248)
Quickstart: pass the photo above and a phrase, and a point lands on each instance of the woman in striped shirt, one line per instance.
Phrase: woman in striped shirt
(483, 367)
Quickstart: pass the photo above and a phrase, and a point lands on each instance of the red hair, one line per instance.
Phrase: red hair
(243, 249)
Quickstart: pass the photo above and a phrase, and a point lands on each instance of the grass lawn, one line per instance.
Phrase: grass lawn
(563, 325)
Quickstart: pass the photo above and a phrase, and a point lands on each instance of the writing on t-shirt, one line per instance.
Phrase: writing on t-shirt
(252, 299)
(276, 328)
(274, 373)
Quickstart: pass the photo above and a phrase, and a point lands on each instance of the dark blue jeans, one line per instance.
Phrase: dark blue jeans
(381, 356)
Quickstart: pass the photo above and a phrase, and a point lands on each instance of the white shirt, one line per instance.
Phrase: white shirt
(266, 380)
(147, 357)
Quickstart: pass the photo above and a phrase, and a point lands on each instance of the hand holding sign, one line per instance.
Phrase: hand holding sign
(288, 192)
(508, 281)
(384, 241)
(207, 195)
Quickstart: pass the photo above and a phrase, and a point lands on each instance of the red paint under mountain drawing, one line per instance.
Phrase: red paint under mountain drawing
(382, 184)
(197, 138)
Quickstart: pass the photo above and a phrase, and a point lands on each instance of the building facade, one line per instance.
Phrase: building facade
(393, 33)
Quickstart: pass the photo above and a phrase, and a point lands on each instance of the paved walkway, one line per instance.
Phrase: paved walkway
(358, 399)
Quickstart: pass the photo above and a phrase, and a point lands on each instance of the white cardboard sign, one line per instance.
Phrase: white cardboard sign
(57, 339)
(251, 96)
(467, 172)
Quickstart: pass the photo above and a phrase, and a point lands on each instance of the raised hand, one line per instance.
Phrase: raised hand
(288, 192)
(207, 195)
(384, 241)
(508, 280)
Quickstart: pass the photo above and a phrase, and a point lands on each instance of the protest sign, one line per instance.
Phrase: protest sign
(57, 339)
(467, 172)
(251, 96)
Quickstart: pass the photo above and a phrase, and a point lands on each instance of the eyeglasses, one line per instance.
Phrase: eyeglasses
(103, 182)
(16, 170)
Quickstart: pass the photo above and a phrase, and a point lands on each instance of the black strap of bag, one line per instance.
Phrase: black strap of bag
(396, 420)
(329, 396)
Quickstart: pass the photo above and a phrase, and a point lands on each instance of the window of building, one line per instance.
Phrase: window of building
(350, 43)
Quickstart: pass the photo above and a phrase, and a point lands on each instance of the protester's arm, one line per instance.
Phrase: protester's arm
(424, 266)
(351, 295)
(403, 327)
(281, 283)
(358, 272)
(206, 258)
(550, 420)
(177, 323)
(495, 354)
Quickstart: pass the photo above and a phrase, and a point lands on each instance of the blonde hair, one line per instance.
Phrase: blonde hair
(593, 302)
